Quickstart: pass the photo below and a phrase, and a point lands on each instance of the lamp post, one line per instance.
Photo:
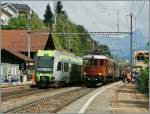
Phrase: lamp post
(0, 47)
(29, 32)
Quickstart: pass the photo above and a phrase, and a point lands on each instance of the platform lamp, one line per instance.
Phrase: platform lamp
(29, 31)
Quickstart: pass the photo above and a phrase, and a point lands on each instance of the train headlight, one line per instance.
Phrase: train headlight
(84, 73)
(100, 74)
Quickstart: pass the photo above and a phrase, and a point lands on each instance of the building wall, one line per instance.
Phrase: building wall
(139, 59)
(10, 70)
(4, 18)
(9, 10)
(6, 10)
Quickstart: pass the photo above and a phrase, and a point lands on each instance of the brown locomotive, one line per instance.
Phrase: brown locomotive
(98, 69)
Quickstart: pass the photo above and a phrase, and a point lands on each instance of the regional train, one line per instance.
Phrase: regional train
(55, 67)
(60, 67)
(99, 69)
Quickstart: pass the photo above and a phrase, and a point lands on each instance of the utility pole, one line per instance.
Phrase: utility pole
(29, 32)
(131, 56)
(0, 47)
(69, 45)
(93, 45)
(55, 12)
(118, 21)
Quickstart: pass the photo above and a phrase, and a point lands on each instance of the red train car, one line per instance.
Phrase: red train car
(98, 69)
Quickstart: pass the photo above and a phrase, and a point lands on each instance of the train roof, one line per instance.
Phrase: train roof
(96, 57)
(63, 55)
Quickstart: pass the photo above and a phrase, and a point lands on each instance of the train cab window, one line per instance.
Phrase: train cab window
(59, 66)
(87, 62)
(66, 67)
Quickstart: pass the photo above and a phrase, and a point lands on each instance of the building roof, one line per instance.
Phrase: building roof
(6, 12)
(11, 7)
(19, 55)
(17, 40)
(21, 6)
(17, 6)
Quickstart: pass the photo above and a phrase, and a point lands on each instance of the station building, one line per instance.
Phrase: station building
(14, 51)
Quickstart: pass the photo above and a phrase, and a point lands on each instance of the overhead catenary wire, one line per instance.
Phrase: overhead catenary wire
(82, 33)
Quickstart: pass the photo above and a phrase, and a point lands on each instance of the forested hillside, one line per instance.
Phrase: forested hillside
(79, 44)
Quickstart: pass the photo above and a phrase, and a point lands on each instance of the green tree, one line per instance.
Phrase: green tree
(18, 23)
(48, 17)
(59, 7)
(21, 23)
(143, 83)
(36, 22)
(105, 50)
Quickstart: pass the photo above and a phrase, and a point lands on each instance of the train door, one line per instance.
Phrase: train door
(69, 72)
(65, 71)
(59, 71)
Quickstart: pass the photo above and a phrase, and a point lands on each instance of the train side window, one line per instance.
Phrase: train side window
(101, 62)
(59, 66)
(95, 62)
(66, 67)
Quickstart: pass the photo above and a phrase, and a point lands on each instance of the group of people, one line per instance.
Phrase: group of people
(11, 78)
(130, 77)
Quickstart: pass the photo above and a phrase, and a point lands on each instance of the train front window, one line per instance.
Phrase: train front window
(45, 62)
(87, 62)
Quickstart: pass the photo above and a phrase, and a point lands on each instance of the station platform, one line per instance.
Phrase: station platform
(4, 85)
(127, 99)
(116, 98)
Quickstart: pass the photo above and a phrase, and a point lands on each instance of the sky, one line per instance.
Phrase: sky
(100, 16)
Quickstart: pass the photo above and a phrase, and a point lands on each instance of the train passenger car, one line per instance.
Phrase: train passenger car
(53, 67)
(100, 69)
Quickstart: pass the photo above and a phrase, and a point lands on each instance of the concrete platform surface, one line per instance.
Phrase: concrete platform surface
(127, 99)
(115, 98)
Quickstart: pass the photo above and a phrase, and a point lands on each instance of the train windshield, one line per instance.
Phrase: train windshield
(93, 62)
(87, 62)
(45, 62)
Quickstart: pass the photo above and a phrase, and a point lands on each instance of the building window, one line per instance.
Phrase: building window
(140, 58)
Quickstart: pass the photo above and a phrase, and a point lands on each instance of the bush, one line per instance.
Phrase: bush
(144, 80)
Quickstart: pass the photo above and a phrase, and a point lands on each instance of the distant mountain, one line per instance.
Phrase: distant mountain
(121, 46)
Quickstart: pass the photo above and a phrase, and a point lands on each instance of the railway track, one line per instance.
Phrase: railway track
(50, 102)
(24, 92)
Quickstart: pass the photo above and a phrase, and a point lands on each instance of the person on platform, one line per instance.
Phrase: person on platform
(128, 77)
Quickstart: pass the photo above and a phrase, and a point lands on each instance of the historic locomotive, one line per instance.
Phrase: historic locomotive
(99, 69)
(54, 67)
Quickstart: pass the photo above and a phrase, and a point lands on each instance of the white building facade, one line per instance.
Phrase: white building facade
(141, 58)
(7, 12)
